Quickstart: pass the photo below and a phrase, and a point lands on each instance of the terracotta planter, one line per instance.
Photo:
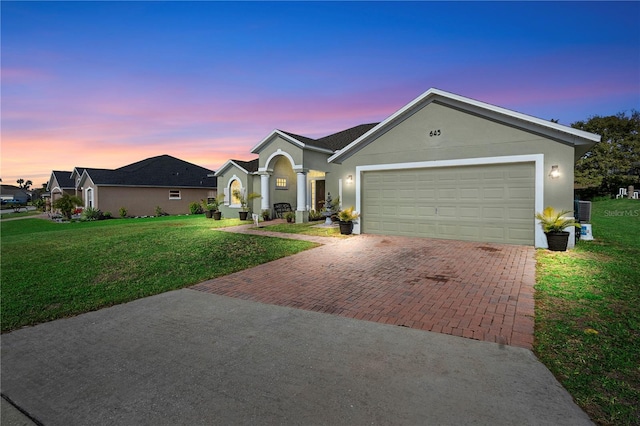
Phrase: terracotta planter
(557, 241)
(217, 215)
(346, 228)
(243, 215)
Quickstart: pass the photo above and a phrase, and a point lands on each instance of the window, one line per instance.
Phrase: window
(174, 194)
(235, 185)
(89, 198)
(281, 183)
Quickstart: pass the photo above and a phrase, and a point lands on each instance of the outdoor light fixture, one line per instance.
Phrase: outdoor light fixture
(555, 173)
(350, 179)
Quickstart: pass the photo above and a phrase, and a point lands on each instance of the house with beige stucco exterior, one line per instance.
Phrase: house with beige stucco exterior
(443, 166)
(163, 182)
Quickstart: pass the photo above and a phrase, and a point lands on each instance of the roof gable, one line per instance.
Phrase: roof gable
(63, 179)
(581, 140)
(245, 166)
(327, 144)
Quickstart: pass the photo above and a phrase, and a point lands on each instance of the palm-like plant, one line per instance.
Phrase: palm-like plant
(241, 194)
(553, 220)
(66, 204)
(348, 214)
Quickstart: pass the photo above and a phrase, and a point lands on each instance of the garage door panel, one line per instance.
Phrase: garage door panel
(469, 193)
(490, 194)
(470, 212)
(493, 203)
(519, 214)
(493, 212)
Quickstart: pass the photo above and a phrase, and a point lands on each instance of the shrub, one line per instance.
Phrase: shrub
(123, 212)
(106, 215)
(316, 215)
(195, 208)
(90, 214)
(66, 204)
(160, 212)
(290, 216)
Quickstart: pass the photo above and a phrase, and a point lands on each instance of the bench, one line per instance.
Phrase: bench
(281, 208)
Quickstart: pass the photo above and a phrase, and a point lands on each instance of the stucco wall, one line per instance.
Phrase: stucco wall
(276, 144)
(458, 135)
(282, 168)
(143, 201)
(247, 181)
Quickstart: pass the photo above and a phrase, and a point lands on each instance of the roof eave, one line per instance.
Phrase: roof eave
(256, 149)
(228, 164)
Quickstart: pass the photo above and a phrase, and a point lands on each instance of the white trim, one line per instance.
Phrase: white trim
(279, 151)
(256, 149)
(538, 160)
(228, 164)
(88, 197)
(547, 128)
(274, 133)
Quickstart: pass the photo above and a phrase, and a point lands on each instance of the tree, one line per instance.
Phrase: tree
(24, 184)
(614, 162)
(66, 204)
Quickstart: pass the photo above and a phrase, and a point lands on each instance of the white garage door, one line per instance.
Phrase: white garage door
(491, 203)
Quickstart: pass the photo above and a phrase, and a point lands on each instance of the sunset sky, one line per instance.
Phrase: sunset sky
(105, 84)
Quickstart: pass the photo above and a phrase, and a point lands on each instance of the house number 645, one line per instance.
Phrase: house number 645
(435, 133)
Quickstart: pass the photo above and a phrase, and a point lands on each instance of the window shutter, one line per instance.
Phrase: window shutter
(226, 196)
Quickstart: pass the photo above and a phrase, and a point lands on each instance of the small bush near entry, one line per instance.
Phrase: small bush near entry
(316, 215)
(195, 208)
(123, 212)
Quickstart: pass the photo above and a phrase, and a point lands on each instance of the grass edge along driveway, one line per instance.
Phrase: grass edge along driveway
(55, 270)
(587, 325)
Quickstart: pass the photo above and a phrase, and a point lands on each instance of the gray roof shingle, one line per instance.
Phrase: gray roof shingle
(163, 170)
(335, 141)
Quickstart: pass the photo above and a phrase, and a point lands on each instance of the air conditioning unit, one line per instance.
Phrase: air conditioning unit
(584, 211)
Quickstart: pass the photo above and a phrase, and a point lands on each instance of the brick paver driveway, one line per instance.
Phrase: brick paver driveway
(476, 290)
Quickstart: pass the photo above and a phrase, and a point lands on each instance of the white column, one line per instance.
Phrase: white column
(264, 191)
(302, 191)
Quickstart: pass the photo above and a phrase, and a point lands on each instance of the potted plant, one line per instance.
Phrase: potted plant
(346, 218)
(245, 199)
(208, 208)
(290, 216)
(265, 215)
(553, 224)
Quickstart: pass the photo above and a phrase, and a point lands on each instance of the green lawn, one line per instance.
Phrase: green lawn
(21, 213)
(309, 228)
(588, 315)
(53, 270)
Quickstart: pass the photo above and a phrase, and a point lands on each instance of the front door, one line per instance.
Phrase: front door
(318, 196)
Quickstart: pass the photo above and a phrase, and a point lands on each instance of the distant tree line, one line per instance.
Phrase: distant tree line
(612, 163)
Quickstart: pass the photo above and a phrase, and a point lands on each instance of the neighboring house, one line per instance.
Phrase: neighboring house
(60, 183)
(164, 181)
(443, 166)
(11, 194)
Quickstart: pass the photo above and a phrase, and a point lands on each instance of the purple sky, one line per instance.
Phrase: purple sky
(105, 84)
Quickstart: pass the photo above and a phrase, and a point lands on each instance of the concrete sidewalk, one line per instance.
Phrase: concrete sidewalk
(191, 358)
